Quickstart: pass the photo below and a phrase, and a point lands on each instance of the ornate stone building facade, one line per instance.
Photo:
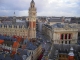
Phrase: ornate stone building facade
(61, 33)
(21, 28)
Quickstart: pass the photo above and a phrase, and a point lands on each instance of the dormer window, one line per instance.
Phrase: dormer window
(5, 26)
(20, 26)
(1, 26)
(10, 26)
(15, 26)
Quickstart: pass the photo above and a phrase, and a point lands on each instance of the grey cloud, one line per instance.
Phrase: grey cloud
(43, 7)
(14, 5)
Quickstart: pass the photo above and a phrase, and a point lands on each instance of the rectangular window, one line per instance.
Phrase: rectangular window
(65, 36)
(62, 42)
(69, 42)
(65, 42)
(62, 36)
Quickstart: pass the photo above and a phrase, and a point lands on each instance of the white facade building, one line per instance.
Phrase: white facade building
(61, 33)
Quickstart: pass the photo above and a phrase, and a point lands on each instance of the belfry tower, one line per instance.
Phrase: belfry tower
(32, 20)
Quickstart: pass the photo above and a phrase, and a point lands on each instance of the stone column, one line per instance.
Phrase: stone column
(67, 36)
(63, 36)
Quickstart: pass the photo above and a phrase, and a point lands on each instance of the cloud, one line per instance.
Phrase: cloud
(44, 7)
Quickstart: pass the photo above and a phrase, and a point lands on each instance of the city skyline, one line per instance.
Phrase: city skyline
(44, 8)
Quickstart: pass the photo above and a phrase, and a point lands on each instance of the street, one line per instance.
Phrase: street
(45, 45)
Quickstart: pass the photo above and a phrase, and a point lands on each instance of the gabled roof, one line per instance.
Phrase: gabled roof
(15, 44)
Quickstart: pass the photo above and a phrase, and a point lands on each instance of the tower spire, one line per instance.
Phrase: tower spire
(14, 18)
(32, 1)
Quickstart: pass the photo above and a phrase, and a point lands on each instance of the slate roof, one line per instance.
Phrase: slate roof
(5, 23)
(48, 26)
(64, 49)
(7, 38)
(22, 56)
(23, 52)
(31, 45)
(58, 25)
(55, 19)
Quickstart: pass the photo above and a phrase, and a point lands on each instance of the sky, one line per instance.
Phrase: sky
(68, 8)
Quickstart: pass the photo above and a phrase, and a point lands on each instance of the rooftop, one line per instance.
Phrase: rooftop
(64, 49)
(20, 23)
(20, 55)
(55, 19)
(31, 45)
(59, 25)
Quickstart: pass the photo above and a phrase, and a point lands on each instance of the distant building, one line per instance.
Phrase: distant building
(53, 20)
(75, 20)
(61, 33)
(40, 22)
